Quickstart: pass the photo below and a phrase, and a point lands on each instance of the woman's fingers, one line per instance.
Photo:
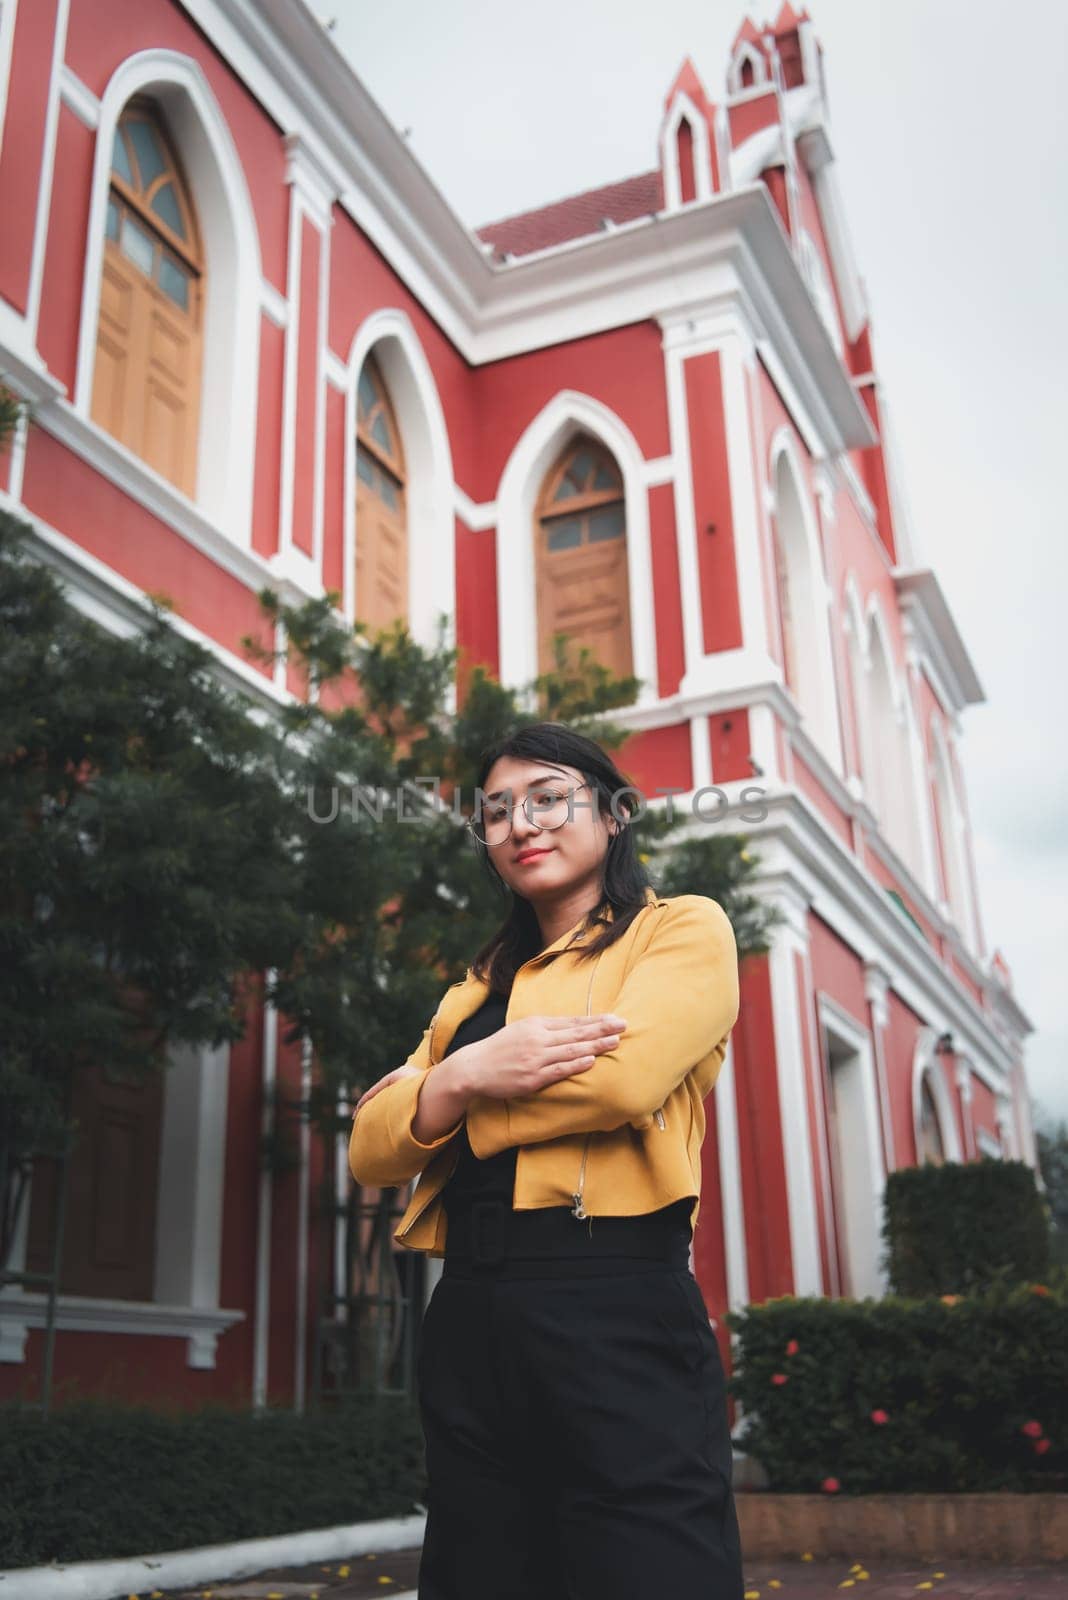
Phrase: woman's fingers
(383, 1083)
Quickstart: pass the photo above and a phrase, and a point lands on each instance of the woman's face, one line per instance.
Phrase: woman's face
(543, 863)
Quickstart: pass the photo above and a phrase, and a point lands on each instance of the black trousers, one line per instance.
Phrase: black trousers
(577, 1443)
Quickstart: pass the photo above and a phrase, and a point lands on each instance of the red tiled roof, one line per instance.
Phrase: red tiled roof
(577, 216)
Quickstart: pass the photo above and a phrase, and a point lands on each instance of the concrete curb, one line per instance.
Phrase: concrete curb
(174, 1569)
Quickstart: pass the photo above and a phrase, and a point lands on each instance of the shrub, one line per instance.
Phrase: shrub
(959, 1226)
(96, 1480)
(965, 1392)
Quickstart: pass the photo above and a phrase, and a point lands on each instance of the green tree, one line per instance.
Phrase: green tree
(1051, 1140)
(172, 850)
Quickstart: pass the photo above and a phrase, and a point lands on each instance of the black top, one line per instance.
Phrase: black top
(472, 1179)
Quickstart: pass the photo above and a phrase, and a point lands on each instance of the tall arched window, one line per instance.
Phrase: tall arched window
(804, 633)
(581, 558)
(787, 635)
(929, 1134)
(146, 377)
(381, 587)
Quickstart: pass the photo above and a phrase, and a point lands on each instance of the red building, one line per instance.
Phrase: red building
(261, 348)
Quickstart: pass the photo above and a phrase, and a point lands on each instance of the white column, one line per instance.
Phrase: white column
(192, 1183)
(876, 990)
(730, 1184)
(964, 1090)
(789, 940)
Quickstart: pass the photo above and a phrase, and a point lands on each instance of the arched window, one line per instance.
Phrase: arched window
(381, 577)
(581, 558)
(929, 1133)
(146, 377)
(747, 74)
(787, 635)
(687, 168)
(804, 633)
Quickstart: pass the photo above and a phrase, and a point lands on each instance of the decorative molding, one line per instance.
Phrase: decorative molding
(336, 372)
(924, 1062)
(794, 837)
(48, 162)
(534, 453)
(147, 488)
(478, 518)
(860, 1148)
(876, 990)
(730, 1185)
(682, 109)
(311, 178)
(791, 1071)
(201, 1328)
(430, 496)
(99, 592)
(273, 304)
(227, 440)
(659, 469)
(79, 98)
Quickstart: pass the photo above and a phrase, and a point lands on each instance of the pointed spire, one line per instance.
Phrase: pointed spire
(747, 34)
(688, 83)
(787, 20)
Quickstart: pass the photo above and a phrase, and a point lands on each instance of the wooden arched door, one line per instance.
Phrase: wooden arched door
(381, 563)
(582, 582)
(146, 377)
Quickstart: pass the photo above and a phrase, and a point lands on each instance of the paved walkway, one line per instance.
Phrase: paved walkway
(395, 1573)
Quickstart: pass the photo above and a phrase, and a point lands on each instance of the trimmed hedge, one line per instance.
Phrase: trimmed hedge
(957, 1227)
(97, 1481)
(897, 1395)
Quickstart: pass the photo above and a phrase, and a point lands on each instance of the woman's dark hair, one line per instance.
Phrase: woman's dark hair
(624, 882)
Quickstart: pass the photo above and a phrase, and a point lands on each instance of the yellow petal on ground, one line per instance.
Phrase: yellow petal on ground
(863, 1574)
(774, 1583)
(858, 1566)
(342, 1572)
(807, 1556)
(939, 1574)
(925, 1586)
(752, 1594)
(847, 1583)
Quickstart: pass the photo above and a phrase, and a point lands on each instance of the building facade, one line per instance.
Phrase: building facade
(260, 348)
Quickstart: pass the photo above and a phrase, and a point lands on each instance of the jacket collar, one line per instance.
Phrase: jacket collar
(570, 938)
(465, 996)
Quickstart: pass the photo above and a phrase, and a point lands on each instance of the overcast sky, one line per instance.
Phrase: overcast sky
(949, 124)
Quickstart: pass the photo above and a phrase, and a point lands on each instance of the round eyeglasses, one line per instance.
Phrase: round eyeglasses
(548, 806)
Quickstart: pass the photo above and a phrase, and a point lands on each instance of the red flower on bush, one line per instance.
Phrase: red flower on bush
(830, 1486)
(1039, 1288)
(792, 1348)
(1040, 1446)
(1033, 1430)
(778, 1377)
(879, 1416)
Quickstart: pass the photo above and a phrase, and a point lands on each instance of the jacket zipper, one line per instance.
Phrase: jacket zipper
(578, 1209)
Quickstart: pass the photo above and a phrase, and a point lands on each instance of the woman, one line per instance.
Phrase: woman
(571, 1389)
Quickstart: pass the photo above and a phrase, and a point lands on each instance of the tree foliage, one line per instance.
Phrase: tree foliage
(173, 849)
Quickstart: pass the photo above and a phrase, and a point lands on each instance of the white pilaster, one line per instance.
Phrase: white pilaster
(789, 940)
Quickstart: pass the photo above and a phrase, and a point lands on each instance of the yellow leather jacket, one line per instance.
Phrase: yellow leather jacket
(619, 1139)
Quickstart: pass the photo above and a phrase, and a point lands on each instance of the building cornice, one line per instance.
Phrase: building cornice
(640, 270)
(923, 603)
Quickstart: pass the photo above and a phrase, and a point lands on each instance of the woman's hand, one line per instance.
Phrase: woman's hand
(522, 1057)
(383, 1083)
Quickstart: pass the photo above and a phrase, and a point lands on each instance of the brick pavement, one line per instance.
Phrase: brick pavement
(395, 1573)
